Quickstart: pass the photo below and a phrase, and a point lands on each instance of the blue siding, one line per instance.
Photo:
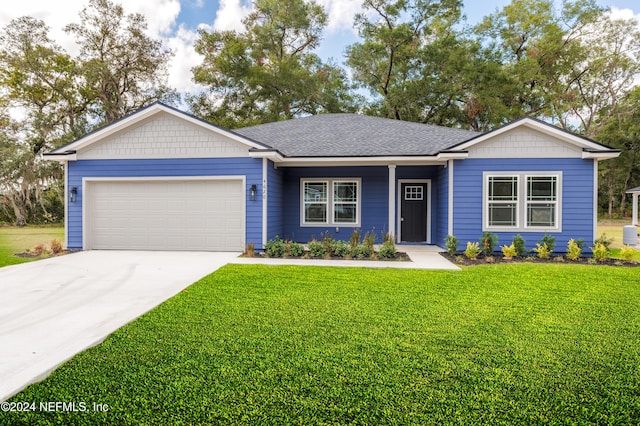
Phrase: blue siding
(577, 198)
(251, 168)
(375, 201)
(275, 185)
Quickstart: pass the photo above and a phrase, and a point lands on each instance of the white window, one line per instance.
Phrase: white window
(414, 192)
(522, 201)
(330, 202)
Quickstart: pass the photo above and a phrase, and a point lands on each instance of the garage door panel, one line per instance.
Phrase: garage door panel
(165, 215)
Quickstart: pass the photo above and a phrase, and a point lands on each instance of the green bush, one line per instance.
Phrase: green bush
(472, 251)
(340, 248)
(543, 250)
(316, 248)
(574, 249)
(509, 251)
(295, 249)
(451, 243)
(354, 239)
(627, 253)
(387, 250)
(602, 239)
(369, 239)
(488, 241)
(549, 241)
(600, 251)
(275, 247)
(361, 251)
(518, 244)
(327, 244)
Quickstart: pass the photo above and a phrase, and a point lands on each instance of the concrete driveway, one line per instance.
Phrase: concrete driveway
(52, 309)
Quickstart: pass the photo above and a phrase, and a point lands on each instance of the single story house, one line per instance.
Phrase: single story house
(161, 179)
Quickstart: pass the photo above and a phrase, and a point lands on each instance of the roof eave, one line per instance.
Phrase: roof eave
(600, 154)
(440, 158)
(61, 157)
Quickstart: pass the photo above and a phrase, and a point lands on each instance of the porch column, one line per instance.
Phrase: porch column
(392, 200)
(634, 220)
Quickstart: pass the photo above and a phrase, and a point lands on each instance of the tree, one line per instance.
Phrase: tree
(123, 68)
(622, 131)
(268, 72)
(38, 80)
(566, 66)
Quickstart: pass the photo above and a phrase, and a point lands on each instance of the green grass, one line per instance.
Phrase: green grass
(18, 240)
(495, 344)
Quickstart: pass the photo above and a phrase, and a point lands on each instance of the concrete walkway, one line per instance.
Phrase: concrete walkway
(422, 257)
(52, 309)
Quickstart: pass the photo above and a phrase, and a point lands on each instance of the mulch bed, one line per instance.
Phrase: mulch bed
(400, 257)
(461, 259)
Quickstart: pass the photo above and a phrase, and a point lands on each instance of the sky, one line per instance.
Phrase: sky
(176, 22)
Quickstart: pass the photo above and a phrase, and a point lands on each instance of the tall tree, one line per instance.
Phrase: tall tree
(123, 68)
(39, 84)
(268, 72)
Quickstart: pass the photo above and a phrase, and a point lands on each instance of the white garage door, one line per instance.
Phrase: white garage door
(165, 215)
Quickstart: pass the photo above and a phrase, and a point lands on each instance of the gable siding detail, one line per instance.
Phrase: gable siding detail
(275, 201)
(251, 168)
(524, 143)
(577, 198)
(164, 136)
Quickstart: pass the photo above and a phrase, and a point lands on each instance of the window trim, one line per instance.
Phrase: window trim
(331, 221)
(522, 202)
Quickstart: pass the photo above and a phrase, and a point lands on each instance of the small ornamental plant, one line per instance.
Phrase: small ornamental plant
(340, 248)
(600, 252)
(316, 248)
(509, 251)
(250, 250)
(543, 250)
(472, 251)
(275, 247)
(294, 249)
(627, 253)
(387, 250)
(451, 243)
(574, 250)
(488, 241)
(518, 243)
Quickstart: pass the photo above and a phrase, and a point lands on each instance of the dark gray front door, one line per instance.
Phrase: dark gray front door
(413, 220)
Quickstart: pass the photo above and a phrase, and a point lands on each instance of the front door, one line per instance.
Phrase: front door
(413, 211)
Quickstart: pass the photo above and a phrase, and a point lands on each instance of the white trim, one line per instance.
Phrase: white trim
(140, 116)
(61, 157)
(428, 195)
(392, 199)
(265, 205)
(66, 204)
(586, 155)
(522, 202)
(330, 213)
(595, 199)
(88, 180)
(450, 200)
(423, 160)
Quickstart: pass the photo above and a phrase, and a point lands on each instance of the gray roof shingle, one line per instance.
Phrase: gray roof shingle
(354, 135)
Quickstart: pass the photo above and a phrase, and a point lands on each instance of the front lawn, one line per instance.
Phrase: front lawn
(15, 239)
(494, 344)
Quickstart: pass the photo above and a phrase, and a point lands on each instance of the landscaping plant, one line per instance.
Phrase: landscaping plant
(275, 247)
(472, 251)
(509, 251)
(627, 253)
(316, 248)
(518, 244)
(488, 241)
(543, 250)
(574, 250)
(600, 252)
(387, 250)
(451, 243)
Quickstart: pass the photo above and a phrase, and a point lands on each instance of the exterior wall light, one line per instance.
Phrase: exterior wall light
(73, 194)
(252, 192)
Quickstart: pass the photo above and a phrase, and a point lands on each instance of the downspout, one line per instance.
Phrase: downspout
(265, 165)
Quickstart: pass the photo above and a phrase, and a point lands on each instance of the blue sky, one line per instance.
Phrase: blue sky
(176, 23)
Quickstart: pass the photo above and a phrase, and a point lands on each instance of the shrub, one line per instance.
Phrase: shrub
(574, 250)
(56, 246)
(316, 248)
(387, 236)
(627, 253)
(38, 249)
(543, 250)
(451, 243)
(361, 251)
(488, 241)
(387, 250)
(603, 240)
(295, 249)
(472, 251)
(518, 244)
(275, 247)
(250, 250)
(340, 248)
(509, 251)
(370, 239)
(600, 252)
(327, 242)
(550, 242)
(354, 239)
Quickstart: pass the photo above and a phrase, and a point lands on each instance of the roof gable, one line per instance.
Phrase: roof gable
(156, 112)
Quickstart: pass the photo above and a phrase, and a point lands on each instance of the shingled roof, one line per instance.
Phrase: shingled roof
(354, 135)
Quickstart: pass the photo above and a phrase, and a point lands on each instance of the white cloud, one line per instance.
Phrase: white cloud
(341, 14)
(184, 59)
(230, 14)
